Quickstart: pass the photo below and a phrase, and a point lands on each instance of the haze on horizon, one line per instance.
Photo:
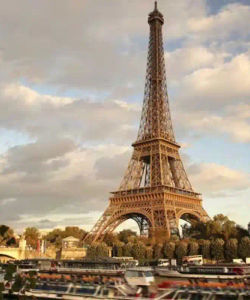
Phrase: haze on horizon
(71, 89)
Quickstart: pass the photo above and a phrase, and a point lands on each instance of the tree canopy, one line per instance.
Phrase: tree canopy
(218, 227)
(32, 236)
(6, 236)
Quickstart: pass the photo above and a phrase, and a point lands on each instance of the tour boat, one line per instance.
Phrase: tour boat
(140, 276)
(72, 291)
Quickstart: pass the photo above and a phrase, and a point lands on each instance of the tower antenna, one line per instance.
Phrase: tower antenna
(155, 5)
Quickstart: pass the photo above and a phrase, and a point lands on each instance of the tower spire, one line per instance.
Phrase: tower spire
(155, 5)
(155, 119)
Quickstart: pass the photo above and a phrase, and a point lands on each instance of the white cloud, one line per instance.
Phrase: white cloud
(17, 92)
(186, 60)
(76, 150)
(45, 116)
(232, 19)
(212, 87)
(8, 200)
(217, 180)
(233, 122)
(51, 179)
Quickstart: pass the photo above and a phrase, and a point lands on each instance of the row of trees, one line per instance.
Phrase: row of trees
(54, 237)
(215, 249)
(219, 238)
(32, 235)
(218, 227)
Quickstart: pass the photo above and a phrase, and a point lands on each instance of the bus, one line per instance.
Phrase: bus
(196, 260)
(162, 262)
(126, 261)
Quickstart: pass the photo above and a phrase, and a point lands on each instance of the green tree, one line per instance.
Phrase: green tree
(110, 239)
(138, 251)
(149, 253)
(145, 240)
(133, 239)
(74, 231)
(9, 271)
(124, 235)
(6, 236)
(55, 237)
(127, 249)
(168, 249)
(31, 283)
(18, 283)
(241, 232)
(244, 247)
(193, 248)
(2, 288)
(205, 248)
(219, 227)
(118, 249)
(231, 249)
(102, 250)
(217, 249)
(186, 230)
(223, 227)
(229, 229)
(181, 250)
(157, 251)
(91, 251)
(31, 236)
(196, 229)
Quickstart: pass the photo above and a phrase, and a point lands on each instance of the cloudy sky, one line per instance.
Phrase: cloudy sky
(71, 89)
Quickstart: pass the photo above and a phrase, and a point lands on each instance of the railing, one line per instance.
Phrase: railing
(156, 189)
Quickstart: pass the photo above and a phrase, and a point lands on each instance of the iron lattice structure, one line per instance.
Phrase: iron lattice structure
(155, 190)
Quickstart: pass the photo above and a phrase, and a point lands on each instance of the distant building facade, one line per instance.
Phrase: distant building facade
(71, 249)
(70, 242)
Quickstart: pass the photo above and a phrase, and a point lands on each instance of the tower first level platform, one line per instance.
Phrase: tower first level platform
(157, 211)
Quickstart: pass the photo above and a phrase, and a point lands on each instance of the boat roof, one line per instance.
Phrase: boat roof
(140, 269)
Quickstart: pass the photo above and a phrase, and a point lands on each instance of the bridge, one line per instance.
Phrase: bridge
(7, 253)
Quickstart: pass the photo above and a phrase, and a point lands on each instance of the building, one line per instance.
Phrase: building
(71, 249)
(70, 242)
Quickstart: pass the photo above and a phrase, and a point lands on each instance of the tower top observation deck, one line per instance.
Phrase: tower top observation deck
(155, 15)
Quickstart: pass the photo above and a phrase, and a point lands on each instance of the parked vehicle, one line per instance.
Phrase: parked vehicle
(163, 262)
(192, 260)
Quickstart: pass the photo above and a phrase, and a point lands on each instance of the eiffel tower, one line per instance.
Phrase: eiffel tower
(155, 190)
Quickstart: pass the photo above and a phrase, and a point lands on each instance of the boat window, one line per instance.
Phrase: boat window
(134, 274)
(99, 292)
(186, 296)
(105, 292)
(148, 274)
(39, 287)
(131, 274)
(60, 288)
(45, 287)
(86, 290)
